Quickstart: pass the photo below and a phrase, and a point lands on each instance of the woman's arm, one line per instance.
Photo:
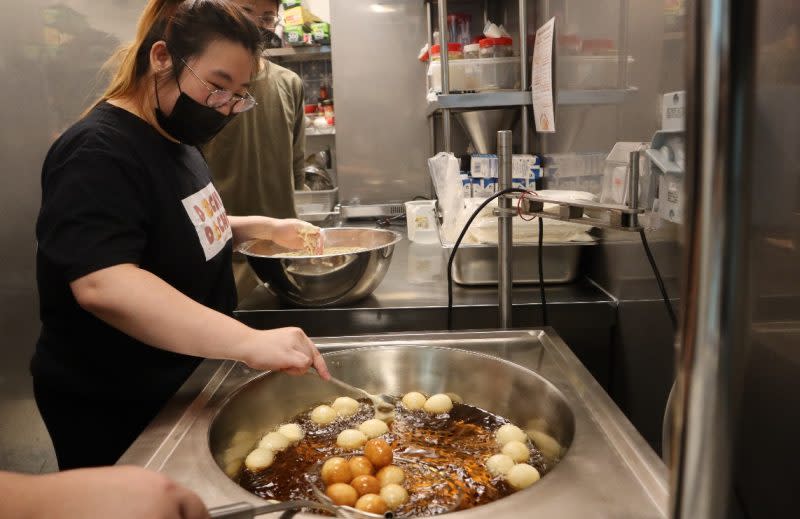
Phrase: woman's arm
(147, 308)
(285, 232)
(119, 492)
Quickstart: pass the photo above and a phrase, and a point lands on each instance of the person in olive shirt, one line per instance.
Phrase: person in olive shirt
(257, 160)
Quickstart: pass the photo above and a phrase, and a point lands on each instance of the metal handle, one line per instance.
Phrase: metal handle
(504, 230)
(714, 314)
(250, 511)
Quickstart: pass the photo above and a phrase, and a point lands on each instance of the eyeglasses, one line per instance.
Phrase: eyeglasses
(270, 19)
(219, 97)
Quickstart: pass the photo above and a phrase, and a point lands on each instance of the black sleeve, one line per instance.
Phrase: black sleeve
(95, 211)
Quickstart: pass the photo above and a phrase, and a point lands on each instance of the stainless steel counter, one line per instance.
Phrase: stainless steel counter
(413, 297)
(608, 472)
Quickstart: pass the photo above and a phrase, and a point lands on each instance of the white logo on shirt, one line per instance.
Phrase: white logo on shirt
(208, 215)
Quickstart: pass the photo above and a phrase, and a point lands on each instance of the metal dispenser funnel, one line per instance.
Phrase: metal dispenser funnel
(482, 126)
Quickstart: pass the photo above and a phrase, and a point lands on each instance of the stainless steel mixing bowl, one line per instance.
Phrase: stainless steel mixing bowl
(330, 280)
(488, 382)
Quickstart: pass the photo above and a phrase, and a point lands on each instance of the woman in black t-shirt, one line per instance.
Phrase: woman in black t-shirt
(134, 258)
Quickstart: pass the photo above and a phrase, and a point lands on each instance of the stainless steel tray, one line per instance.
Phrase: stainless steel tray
(476, 265)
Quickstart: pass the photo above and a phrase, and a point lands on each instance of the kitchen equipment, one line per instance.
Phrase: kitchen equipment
(528, 376)
(316, 201)
(482, 126)
(321, 281)
(317, 178)
(496, 47)
(477, 75)
(476, 265)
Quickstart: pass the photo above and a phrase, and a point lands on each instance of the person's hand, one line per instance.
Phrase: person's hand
(119, 492)
(290, 233)
(283, 349)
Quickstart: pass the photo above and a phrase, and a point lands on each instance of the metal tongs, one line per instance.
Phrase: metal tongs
(382, 402)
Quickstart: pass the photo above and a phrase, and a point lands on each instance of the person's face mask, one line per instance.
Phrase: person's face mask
(190, 122)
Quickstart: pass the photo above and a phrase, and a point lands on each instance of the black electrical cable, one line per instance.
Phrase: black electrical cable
(458, 242)
(541, 272)
(660, 281)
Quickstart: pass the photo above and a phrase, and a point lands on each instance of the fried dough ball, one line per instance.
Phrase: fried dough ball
(323, 415)
(371, 503)
(414, 400)
(390, 474)
(360, 466)
(345, 406)
(274, 441)
(508, 433)
(259, 459)
(546, 443)
(437, 404)
(292, 431)
(522, 476)
(366, 485)
(378, 452)
(336, 470)
(394, 495)
(351, 439)
(455, 397)
(499, 464)
(517, 451)
(342, 494)
(373, 428)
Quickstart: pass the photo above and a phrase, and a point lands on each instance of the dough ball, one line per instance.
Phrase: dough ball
(414, 400)
(509, 433)
(499, 464)
(274, 441)
(371, 503)
(373, 428)
(378, 452)
(292, 431)
(342, 494)
(394, 495)
(522, 476)
(360, 466)
(232, 468)
(259, 459)
(437, 404)
(336, 470)
(517, 451)
(549, 446)
(390, 475)
(366, 485)
(345, 406)
(323, 415)
(455, 397)
(351, 439)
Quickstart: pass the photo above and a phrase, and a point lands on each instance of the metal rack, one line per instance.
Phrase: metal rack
(447, 102)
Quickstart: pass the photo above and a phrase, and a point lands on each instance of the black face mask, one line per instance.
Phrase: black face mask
(190, 122)
(269, 39)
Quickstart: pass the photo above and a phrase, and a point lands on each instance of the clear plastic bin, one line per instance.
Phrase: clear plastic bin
(477, 75)
(316, 201)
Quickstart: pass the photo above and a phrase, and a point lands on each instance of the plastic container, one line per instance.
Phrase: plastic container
(455, 51)
(496, 47)
(316, 201)
(477, 75)
(458, 26)
(472, 51)
(421, 221)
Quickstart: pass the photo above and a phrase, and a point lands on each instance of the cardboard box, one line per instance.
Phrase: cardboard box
(321, 33)
(526, 167)
(288, 4)
(484, 166)
(296, 35)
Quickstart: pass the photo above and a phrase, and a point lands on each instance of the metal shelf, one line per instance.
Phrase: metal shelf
(306, 52)
(513, 98)
(323, 134)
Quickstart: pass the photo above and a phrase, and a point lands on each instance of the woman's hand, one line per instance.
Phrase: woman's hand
(284, 349)
(291, 233)
(119, 492)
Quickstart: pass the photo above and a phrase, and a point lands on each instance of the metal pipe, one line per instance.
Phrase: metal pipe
(633, 187)
(523, 70)
(714, 319)
(505, 241)
(622, 55)
(444, 60)
(429, 20)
